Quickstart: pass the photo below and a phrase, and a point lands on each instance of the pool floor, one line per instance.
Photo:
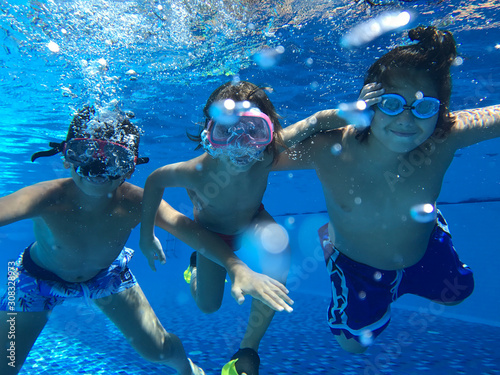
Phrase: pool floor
(80, 340)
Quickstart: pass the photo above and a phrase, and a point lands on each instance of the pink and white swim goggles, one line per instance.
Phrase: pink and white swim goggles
(251, 129)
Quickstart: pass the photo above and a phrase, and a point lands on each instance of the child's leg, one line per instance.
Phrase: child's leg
(18, 333)
(274, 254)
(275, 262)
(131, 312)
(207, 284)
(350, 345)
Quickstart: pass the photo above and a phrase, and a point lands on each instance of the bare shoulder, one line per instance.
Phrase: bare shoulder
(130, 192)
(182, 174)
(52, 190)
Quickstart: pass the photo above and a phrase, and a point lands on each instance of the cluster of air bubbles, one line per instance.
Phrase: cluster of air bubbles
(423, 213)
(112, 116)
(356, 114)
(227, 111)
(372, 29)
(268, 57)
(274, 238)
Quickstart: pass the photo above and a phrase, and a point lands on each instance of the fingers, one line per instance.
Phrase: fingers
(275, 302)
(273, 296)
(161, 256)
(238, 295)
(370, 93)
(151, 263)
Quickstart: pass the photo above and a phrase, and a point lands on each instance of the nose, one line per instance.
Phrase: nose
(406, 118)
(237, 130)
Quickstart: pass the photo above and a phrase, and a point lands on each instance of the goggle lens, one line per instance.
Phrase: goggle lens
(252, 128)
(99, 157)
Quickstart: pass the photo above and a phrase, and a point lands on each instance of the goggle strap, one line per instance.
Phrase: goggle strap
(57, 147)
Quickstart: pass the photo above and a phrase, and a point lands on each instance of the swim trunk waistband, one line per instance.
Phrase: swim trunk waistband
(35, 270)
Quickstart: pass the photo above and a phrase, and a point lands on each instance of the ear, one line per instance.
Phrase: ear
(129, 174)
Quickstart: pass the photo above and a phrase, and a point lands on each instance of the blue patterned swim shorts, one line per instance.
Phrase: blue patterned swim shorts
(38, 289)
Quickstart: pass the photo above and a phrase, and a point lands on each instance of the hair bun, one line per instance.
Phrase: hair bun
(431, 38)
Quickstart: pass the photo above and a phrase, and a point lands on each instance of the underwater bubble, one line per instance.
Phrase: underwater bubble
(223, 112)
(362, 295)
(309, 61)
(199, 167)
(64, 31)
(336, 149)
(366, 338)
(268, 57)
(423, 213)
(236, 79)
(458, 61)
(159, 7)
(313, 120)
(290, 221)
(314, 85)
(377, 275)
(274, 238)
(355, 114)
(367, 31)
(419, 95)
(131, 72)
(357, 200)
(290, 175)
(229, 104)
(53, 47)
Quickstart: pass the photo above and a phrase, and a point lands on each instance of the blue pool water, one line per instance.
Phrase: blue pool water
(163, 59)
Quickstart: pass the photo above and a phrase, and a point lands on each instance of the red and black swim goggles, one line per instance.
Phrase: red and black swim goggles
(96, 157)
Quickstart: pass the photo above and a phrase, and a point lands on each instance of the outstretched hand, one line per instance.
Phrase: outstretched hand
(370, 94)
(152, 250)
(259, 286)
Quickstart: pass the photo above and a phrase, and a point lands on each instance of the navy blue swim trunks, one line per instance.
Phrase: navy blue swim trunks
(362, 295)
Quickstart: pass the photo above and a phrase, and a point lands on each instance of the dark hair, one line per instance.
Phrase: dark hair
(121, 131)
(432, 55)
(242, 91)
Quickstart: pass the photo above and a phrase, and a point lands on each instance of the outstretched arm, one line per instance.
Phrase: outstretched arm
(330, 119)
(475, 125)
(26, 202)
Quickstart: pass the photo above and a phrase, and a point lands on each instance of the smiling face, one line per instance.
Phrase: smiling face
(404, 132)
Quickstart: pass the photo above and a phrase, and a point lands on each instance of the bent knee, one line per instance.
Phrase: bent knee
(350, 345)
(159, 350)
(208, 307)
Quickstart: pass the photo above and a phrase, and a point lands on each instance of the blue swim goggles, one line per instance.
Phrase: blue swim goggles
(394, 104)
